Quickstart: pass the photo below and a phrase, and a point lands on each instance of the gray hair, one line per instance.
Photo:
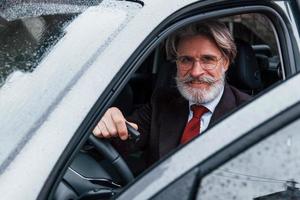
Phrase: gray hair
(214, 30)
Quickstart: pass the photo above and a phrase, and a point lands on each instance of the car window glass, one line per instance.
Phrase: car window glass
(269, 168)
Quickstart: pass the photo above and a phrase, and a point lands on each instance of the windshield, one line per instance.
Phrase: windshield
(42, 59)
(29, 30)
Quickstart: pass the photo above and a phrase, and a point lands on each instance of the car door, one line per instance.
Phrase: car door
(181, 162)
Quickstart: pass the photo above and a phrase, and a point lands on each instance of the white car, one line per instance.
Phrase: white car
(64, 63)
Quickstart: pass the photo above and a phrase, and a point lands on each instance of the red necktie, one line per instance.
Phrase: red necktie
(192, 128)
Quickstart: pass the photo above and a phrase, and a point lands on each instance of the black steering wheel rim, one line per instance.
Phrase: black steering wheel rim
(109, 152)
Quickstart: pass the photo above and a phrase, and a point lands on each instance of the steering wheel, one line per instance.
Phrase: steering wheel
(88, 179)
(109, 153)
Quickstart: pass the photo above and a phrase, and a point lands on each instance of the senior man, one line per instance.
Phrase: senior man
(203, 53)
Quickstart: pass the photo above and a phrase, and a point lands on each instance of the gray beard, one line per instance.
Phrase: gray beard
(200, 96)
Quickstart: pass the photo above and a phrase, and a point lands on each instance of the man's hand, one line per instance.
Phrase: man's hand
(112, 124)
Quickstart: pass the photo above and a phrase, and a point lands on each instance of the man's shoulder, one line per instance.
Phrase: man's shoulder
(240, 97)
(231, 99)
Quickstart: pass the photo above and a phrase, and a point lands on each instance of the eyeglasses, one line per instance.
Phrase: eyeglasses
(207, 62)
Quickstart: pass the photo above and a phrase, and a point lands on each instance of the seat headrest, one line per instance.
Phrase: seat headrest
(244, 73)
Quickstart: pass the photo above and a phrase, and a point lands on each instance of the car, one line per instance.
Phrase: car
(63, 64)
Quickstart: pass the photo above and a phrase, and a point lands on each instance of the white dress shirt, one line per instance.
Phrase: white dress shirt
(205, 119)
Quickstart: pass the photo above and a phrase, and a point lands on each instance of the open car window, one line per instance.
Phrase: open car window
(256, 68)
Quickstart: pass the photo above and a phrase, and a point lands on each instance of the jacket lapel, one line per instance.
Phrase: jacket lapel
(225, 106)
(173, 119)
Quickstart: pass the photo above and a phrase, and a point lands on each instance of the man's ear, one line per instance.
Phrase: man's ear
(225, 64)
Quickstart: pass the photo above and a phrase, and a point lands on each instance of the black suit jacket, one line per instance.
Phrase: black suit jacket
(162, 121)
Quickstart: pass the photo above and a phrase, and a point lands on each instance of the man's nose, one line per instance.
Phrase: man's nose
(196, 69)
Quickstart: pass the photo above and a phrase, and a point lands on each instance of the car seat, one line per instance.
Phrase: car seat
(244, 72)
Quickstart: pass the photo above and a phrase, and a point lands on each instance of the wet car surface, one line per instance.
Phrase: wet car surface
(64, 64)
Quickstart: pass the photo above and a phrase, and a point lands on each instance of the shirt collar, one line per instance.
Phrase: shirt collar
(212, 104)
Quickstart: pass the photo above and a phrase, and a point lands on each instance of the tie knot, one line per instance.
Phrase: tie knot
(198, 110)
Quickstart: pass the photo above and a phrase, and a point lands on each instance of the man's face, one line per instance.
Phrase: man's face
(201, 69)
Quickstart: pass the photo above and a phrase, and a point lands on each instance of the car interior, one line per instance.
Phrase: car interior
(256, 68)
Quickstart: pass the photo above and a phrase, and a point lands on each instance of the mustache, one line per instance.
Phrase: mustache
(203, 79)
